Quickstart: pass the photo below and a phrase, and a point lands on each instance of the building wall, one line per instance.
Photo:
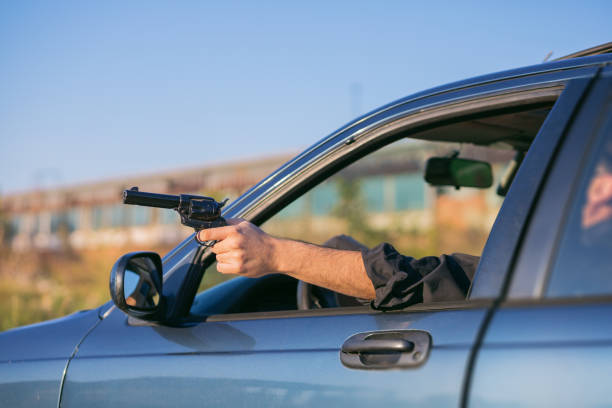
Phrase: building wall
(92, 215)
(388, 189)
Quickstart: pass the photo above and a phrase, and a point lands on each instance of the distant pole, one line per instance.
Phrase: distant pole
(356, 94)
(44, 177)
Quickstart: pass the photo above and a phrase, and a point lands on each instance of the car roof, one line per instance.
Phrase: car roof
(347, 130)
(597, 50)
(541, 68)
(474, 82)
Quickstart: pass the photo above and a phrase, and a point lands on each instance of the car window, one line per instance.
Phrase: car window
(383, 197)
(582, 267)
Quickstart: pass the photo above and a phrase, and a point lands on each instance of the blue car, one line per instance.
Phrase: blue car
(534, 330)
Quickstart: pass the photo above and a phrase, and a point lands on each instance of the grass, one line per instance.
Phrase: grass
(37, 286)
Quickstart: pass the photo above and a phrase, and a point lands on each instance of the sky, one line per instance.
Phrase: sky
(96, 90)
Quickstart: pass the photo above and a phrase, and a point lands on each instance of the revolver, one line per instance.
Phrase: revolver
(197, 212)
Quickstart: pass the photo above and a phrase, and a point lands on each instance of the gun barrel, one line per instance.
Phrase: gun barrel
(150, 199)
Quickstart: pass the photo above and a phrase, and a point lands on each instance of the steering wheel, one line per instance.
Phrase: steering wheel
(315, 297)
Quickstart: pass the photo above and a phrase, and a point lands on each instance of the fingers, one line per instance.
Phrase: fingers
(227, 268)
(224, 246)
(238, 248)
(229, 263)
(594, 214)
(220, 233)
(600, 189)
(231, 257)
(228, 237)
(215, 234)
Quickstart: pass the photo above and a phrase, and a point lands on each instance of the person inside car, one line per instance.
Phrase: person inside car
(381, 275)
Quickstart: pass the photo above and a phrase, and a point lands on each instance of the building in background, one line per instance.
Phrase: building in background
(388, 185)
(92, 215)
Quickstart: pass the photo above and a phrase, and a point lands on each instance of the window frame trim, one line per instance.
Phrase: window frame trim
(564, 182)
(539, 249)
(352, 310)
(385, 135)
(345, 146)
(513, 220)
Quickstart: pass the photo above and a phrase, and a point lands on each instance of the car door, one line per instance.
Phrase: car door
(550, 341)
(345, 356)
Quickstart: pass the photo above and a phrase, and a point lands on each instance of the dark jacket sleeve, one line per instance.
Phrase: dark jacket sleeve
(401, 281)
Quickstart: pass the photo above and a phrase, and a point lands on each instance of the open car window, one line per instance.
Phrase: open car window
(383, 197)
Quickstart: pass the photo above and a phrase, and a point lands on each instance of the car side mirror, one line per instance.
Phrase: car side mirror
(453, 171)
(136, 284)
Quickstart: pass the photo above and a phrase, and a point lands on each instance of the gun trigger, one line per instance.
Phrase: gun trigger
(207, 244)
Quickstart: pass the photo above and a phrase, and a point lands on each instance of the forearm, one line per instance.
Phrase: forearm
(244, 249)
(339, 270)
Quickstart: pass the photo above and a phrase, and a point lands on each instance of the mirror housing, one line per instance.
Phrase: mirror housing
(456, 172)
(136, 285)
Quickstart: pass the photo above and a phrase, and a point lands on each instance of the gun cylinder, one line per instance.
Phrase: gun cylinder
(204, 209)
(150, 199)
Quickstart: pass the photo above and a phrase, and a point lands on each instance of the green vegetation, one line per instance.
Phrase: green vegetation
(352, 210)
(418, 233)
(37, 286)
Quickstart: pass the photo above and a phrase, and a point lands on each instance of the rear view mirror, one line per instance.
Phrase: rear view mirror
(136, 284)
(453, 171)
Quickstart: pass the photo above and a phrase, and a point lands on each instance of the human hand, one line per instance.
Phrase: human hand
(241, 248)
(598, 207)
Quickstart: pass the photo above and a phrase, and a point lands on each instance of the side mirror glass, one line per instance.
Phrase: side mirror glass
(136, 284)
(453, 171)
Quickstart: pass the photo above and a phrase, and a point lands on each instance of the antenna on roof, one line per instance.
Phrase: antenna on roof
(550, 53)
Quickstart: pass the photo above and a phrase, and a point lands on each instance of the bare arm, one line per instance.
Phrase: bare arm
(246, 250)
(339, 270)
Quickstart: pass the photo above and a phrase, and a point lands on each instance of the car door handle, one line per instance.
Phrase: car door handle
(386, 349)
(377, 346)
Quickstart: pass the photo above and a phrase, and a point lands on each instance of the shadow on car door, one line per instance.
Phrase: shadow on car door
(284, 359)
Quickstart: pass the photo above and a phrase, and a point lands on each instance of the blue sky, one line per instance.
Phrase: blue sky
(98, 90)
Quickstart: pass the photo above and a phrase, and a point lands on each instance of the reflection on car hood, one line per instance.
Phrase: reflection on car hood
(47, 340)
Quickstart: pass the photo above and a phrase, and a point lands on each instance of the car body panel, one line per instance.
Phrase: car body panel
(264, 380)
(33, 383)
(552, 351)
(33, 359)
(538, 246)
(293, 359)
(283, 361)
(507, 232)
(53, 339)
(286, 361)
(537, 355)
